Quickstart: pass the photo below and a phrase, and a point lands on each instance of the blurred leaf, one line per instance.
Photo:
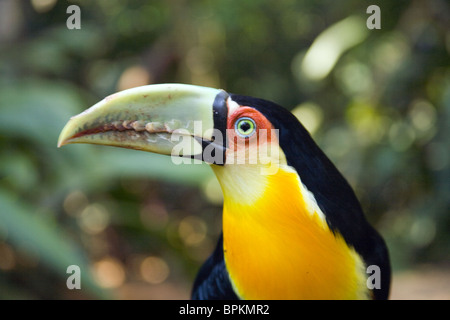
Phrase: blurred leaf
(35, 109)
(39, 236)
(327, 48)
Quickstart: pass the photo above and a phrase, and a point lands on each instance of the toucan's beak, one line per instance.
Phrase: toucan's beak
(154, 118)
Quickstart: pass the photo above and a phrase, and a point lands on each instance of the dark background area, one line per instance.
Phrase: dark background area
(376, 101)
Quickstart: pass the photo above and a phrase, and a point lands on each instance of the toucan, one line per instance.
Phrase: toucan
(293, 228)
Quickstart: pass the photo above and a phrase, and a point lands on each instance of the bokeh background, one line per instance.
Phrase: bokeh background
(138, 226)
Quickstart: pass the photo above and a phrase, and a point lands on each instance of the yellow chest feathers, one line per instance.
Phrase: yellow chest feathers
(277, 244)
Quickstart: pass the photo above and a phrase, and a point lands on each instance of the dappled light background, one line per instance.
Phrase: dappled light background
(139, 227)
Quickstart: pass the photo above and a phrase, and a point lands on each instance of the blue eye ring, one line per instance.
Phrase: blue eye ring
(245, 127)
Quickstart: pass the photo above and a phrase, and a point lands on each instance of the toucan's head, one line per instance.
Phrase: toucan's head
(245, 139)
(228, 131)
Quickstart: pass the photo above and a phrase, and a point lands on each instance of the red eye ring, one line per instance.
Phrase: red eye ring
(260, 121)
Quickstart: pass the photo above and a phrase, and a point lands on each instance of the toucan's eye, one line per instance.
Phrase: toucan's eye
(245, 127)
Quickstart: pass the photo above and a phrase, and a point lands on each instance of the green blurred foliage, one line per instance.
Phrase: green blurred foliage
(376, 101)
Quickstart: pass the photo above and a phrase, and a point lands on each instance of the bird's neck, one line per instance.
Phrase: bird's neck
(277, 243)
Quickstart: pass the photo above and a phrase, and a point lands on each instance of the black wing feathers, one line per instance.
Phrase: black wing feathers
(213, 282)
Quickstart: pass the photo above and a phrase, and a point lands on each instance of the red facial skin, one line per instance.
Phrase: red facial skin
(235, 140)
